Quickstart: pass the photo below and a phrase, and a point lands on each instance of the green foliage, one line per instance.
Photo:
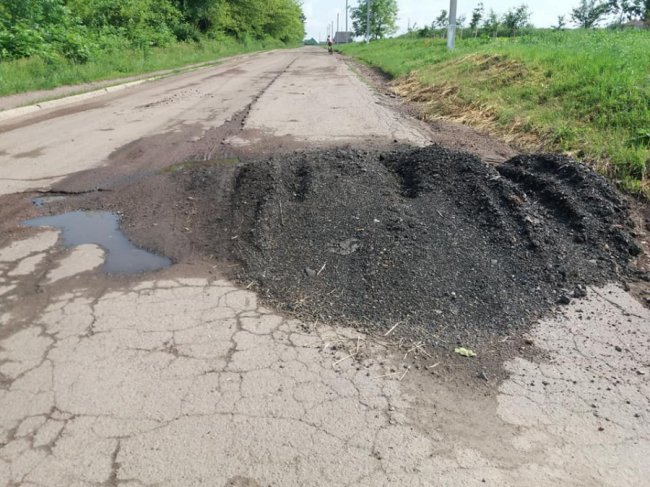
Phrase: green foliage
(37, 73)
(145, 23)
(80, 30)
(383, 18)
(477, 16)
(516, 19)
(561, 23)
(584, 92)
(40, 27)
(442, 20)
(589, 13)
(631, 9)
(491, 23)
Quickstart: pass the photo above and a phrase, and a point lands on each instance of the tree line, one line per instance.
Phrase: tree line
(74, 29)
(588, 14)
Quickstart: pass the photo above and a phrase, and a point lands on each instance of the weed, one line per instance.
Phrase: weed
(583, 93)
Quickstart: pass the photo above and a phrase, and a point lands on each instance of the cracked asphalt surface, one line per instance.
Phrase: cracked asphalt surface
(181, 378)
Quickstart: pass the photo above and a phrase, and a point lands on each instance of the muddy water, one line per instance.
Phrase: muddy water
(103, 229)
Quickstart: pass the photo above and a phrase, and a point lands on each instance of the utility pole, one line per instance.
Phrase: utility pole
(451, 32)
(337, 21)
(368, 3)
(346, 16)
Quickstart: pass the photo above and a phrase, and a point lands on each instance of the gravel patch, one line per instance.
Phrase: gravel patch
(446, 245)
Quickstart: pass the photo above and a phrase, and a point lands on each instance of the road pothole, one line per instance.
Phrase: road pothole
(103, 229)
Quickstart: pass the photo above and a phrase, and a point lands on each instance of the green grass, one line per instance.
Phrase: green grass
(584, 93)
(31, 74)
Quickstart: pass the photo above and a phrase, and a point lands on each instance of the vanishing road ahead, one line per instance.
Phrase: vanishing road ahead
(179, 377)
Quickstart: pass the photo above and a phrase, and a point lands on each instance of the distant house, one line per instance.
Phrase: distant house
(343, 37)
(311, 42)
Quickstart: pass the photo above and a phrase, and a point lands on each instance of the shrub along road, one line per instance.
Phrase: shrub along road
(184, 377)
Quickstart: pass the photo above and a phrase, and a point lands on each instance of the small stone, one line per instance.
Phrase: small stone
(564, 299)
(310, 272)
(600, 428)
(579, 292)
(618, 349)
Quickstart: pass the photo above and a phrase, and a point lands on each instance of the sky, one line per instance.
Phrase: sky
(320, 12)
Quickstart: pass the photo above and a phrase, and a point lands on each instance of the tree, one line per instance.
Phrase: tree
(383, 18)
(260, 19)
(631, 9)
(40, 28)
(76, 29)
(590, 12)
(442, 20)
(516, 18)
(491, 23)
(477, 16)
(460, 24)
(561, 23)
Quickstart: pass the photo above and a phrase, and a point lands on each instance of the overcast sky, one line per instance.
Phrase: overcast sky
(320, 12)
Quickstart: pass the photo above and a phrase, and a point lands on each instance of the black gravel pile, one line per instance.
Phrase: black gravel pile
(435, 239)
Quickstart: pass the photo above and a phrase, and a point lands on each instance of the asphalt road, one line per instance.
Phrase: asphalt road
(179, 377)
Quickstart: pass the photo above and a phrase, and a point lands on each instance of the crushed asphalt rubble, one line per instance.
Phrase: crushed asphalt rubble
(437, 242)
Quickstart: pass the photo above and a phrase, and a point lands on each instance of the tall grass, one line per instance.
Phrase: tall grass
(37, 73)
(586, 93)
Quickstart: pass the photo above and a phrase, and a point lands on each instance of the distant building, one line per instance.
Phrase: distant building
(311, 42)
(343, 37)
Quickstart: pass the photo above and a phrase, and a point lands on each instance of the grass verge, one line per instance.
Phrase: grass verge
(36, 73)
(583, 93)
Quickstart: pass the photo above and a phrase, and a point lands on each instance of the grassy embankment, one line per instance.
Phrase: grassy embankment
(583, 93)
(36, 73)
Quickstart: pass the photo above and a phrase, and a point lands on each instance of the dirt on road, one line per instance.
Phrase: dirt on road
(448, 246)
(451, 249)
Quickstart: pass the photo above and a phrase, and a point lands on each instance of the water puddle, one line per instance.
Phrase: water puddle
(102, 228)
